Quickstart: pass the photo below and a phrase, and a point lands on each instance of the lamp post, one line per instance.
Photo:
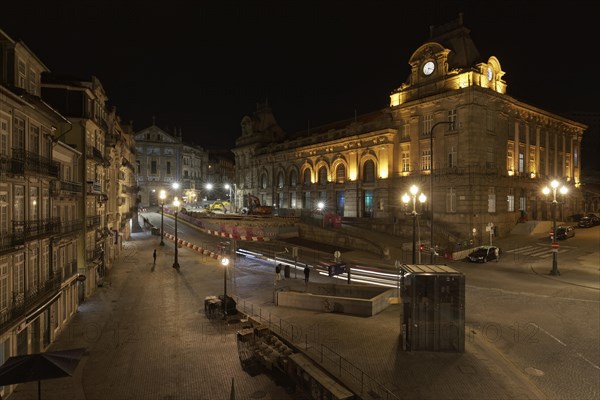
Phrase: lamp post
(321, 208)
(432, 250)
(405, 199)
(176, 207)
(229, 187)
(563, 190)
(163, 196)
(224, 263)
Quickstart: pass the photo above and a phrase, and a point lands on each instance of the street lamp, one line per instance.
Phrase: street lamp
(405, 199)
(546, 190)
(163, 196)
(224, 263)
(176, 207)
(231, 201)
(431, 183)
(321, 208)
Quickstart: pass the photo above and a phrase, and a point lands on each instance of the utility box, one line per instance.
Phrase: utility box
(433, 308)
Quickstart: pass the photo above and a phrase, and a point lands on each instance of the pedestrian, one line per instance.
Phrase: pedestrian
(497, 250)
(306, 273)
(154, 256)
(278, 272)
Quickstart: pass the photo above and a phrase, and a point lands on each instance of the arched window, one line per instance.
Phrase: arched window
(323, 175)
(263, 181)
(280, 180)
(306, 181)
(293, 178)
(369, 171)
(340, 174)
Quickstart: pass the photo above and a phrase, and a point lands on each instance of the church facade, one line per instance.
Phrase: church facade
(480, 156)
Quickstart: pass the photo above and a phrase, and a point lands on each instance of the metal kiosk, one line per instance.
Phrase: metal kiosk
(433, 311)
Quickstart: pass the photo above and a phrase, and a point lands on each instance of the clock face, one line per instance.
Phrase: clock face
(490, 74)
(428, 67)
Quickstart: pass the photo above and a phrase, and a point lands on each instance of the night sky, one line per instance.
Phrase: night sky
(200, 66)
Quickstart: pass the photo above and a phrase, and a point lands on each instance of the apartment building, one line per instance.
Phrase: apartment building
(40, 197)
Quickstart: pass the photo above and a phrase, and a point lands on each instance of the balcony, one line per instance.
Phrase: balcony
(10, 241)
(24, 161)
(69, 227)
(93, 255)
(92, 221)
(94, 187)
(24, 303)
(36, 229)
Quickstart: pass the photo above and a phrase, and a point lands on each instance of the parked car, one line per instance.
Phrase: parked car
(588, 221)
(484, 254)
(562, 232)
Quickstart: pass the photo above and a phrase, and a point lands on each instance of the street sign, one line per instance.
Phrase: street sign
(337, 254)
(555, 245)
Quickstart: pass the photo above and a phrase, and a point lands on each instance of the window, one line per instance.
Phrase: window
(280, 179)
(339, 203)
(532, 160)
(168, 167)
(405, 161)
(509, 160)
(153, 167)
(406, 131)
(426, 124)
(451, 200)
(368, 199)
(263, 181)
(451, 156)
(575, 155)
(3, 212)
(33, 85)
(322, 176)
(3, 284)
(21, 74)
(19, 204)
(452, 114)
(18, 134)
(491, 200)
(3, 137)
(138, 166)
(369, 171)
(490, 159)
(293, 178)
(523, 201)
(511, 200)
(521, 162)
(306, 180)
(292, 199)
(340, 173)
(426, 160)
(306, 201)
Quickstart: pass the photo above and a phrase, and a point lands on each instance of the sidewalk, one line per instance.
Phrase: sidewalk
(147, 337)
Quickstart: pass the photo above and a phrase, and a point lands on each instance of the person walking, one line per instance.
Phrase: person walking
(278, 272)
(306, 273)
(154, 256)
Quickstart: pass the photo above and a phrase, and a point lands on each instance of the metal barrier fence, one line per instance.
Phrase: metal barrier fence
(363, 385)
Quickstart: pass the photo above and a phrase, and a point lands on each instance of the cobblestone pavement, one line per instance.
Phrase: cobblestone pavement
(147, 337)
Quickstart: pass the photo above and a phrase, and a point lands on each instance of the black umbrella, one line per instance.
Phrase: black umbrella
(40, 366)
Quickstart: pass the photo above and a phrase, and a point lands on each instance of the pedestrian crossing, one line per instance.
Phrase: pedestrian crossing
(536, 250)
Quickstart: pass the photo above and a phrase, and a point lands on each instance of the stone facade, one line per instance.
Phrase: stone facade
(491, 155)
(164, 162)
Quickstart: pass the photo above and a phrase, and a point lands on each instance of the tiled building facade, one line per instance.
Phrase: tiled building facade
(66, 195)
(492, 153)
